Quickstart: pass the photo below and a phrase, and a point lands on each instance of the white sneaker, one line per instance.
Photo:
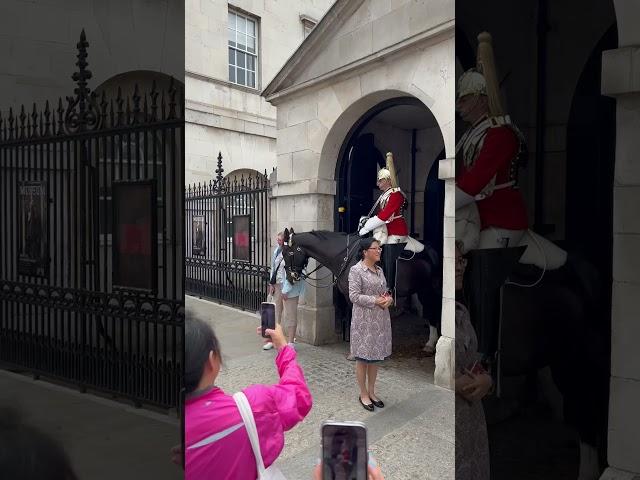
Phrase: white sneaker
(267, 346)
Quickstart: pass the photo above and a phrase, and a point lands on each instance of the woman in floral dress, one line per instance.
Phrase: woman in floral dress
(370, 320)
(472, 442)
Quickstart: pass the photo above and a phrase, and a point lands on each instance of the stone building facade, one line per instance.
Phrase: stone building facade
(365, 55)
(224, 110)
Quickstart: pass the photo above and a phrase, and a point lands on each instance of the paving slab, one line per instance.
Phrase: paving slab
(104, 439)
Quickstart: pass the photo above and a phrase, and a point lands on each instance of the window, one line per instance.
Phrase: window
(243, 49)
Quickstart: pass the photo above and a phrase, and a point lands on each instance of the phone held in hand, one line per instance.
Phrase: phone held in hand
(477, 369)
(344, 450)
(267, 317)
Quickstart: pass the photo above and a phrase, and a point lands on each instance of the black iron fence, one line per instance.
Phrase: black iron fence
(228, 244)
(91, 264)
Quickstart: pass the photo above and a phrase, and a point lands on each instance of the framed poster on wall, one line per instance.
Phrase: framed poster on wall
(198, 238)
(241, 225)
(33, 251)
(134, 235)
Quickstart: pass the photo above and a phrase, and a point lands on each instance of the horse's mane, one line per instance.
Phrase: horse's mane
(325, 234)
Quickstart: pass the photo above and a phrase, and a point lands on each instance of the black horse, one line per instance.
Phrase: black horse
(339, 252)
(556, 322)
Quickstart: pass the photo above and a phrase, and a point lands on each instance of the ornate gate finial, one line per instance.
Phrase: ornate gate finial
(82, 113)
(219, 170)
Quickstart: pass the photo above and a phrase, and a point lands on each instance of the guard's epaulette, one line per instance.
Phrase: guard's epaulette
(499, 121)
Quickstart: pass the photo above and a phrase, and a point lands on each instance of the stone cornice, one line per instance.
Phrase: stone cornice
(211, 109)
(224, 83)
(431, 36)
(335, 16)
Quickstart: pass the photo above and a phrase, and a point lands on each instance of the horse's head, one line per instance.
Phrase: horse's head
(295, 257)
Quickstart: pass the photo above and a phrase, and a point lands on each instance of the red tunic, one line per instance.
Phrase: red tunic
(505, 207)
(394, 208)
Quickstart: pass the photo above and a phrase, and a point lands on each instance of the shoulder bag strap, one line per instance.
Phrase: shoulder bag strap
(250, 424)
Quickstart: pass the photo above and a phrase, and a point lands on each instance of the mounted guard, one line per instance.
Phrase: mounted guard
(490, 208)
(388, 225)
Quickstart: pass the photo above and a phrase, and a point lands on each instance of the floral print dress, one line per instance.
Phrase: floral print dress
(370, 324)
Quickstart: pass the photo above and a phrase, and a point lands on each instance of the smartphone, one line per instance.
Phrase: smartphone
(267, 316)
(477, 368)
(344, 450)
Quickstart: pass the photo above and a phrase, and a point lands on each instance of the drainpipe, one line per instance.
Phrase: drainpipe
(541, 74)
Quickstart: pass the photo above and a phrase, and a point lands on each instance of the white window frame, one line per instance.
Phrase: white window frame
(238, 50)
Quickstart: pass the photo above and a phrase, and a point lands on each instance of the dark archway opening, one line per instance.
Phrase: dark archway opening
(591, 137)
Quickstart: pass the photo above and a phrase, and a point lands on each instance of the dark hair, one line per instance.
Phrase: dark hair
(29, 454)
(199, 340)
(365, 244)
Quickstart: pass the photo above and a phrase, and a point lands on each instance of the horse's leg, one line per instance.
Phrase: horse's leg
(416, 306)
(589, 462)
(432, 318)
(550, 392)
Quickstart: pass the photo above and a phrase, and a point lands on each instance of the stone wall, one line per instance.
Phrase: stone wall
(620, 79)
(221, 116)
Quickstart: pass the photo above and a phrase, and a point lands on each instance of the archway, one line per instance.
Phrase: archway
(406, 127)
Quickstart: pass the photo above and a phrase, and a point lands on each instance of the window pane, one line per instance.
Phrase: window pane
(251, 44)
(232, 37)
(251, 77)
(241, 59)
(241, 76)
(241, 25)
(232, 74)
(251, 27)
(232, 20)
(251, 63)
(242, 41)
(232, 56)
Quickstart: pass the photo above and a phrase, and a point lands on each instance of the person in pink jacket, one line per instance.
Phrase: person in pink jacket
(216, 441)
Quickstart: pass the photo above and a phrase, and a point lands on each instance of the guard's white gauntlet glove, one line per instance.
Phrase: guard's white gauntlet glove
(371, 224)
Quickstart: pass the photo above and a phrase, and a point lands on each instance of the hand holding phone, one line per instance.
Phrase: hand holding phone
(344, 450)
(267, 317)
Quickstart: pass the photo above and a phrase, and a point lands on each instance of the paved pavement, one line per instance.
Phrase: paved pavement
(105, 439)
(412, 437)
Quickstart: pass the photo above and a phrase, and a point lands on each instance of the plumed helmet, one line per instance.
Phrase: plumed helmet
(483, 79)
(389, 172)
(384, 173)
(471, 82)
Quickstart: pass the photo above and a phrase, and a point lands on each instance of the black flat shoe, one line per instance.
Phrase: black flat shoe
(377, 403)
(365, 406)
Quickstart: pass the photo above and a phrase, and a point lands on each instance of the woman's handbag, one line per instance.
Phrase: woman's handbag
(271, 473)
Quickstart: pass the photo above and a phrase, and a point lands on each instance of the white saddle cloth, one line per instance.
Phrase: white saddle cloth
(381, 235)
(540, 252)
